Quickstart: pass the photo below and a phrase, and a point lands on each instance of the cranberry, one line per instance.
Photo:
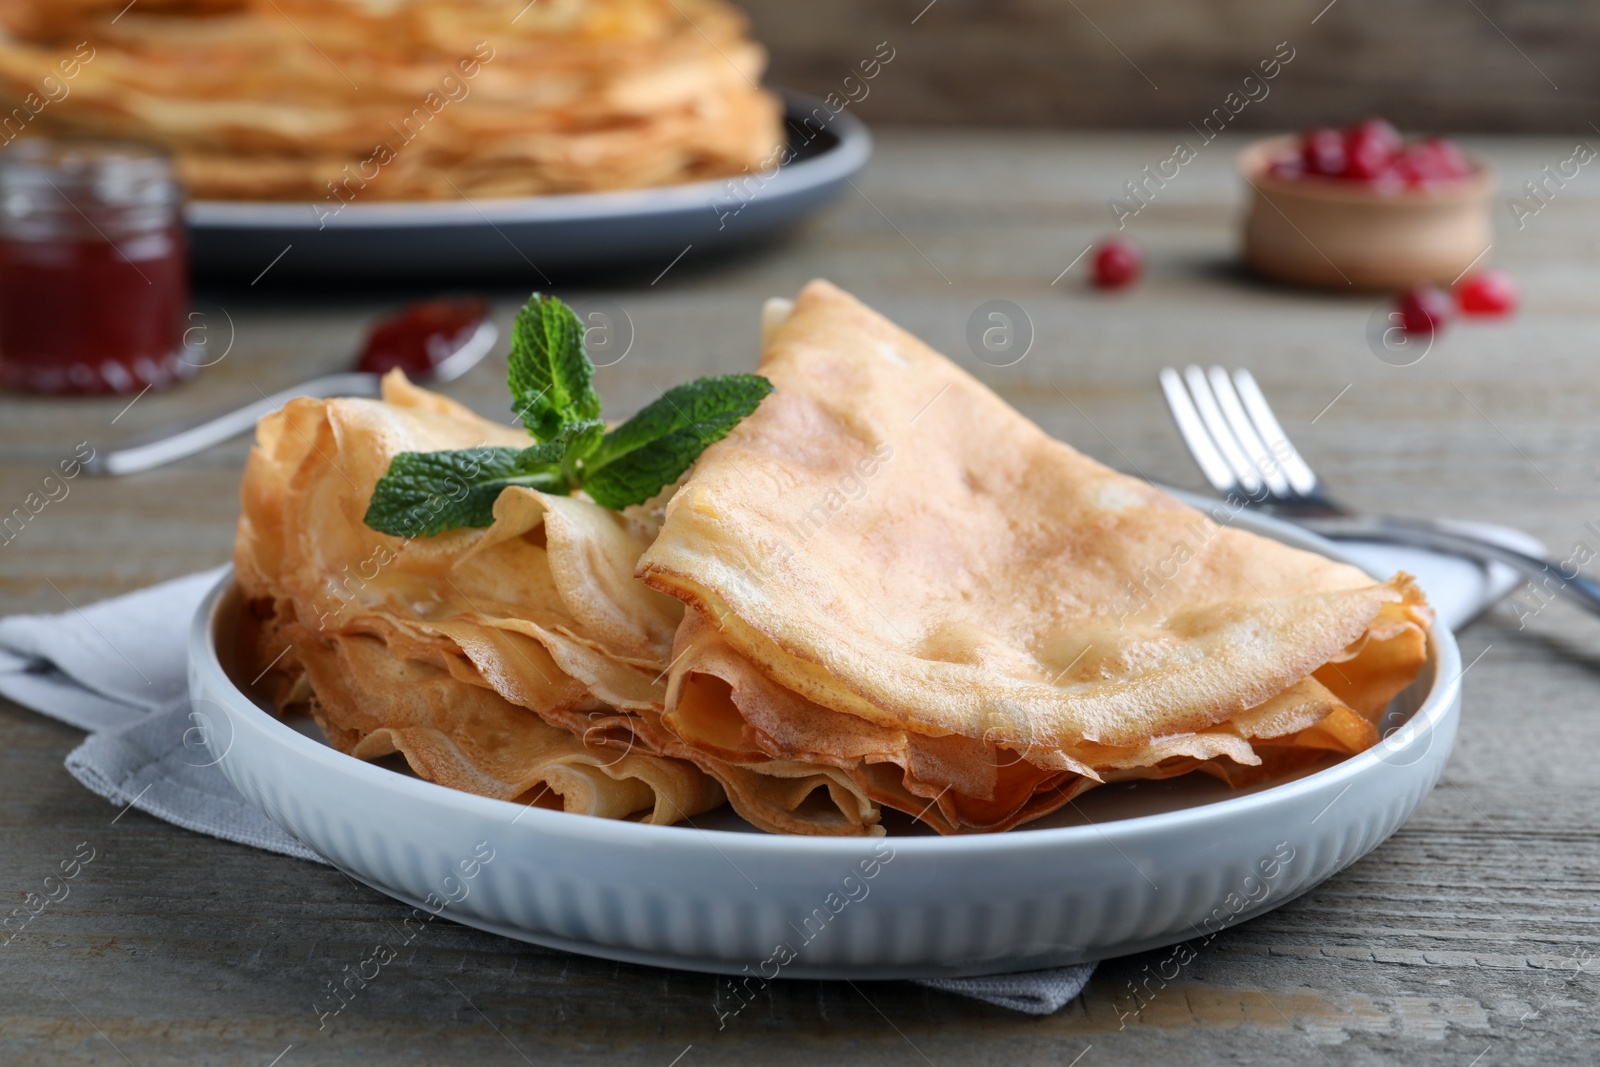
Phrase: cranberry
(1405, 170)
(1424, 309)
(1452, 162)
(1286, 169)
(1117, 263)
(1369, 147)
(1394, 177)
(1488, 292)
(1434, 160)
(1322, 152)
(1373, 152)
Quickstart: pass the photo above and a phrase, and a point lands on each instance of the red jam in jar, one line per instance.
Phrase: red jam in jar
(93, 268)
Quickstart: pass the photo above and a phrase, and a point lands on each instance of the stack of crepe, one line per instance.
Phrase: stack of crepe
(903, 594)
(355, 100)
(512, 662)
(896, 592)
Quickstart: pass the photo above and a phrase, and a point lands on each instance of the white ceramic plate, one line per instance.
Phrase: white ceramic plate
(1126, 868)
(537, 236)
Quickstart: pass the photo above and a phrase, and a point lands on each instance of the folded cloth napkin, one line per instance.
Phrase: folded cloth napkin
(118, 669)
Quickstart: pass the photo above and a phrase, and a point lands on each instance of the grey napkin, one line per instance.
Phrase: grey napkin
(1031, 992)
(118, 669)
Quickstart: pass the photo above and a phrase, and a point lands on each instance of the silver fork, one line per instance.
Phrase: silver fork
(1245, 455)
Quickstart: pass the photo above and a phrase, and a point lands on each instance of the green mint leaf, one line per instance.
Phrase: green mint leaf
(579, 440)
(552, 389)
(426, 493)
(574, 441)
(551, 378)
(638, 459)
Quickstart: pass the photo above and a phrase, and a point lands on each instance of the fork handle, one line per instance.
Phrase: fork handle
(1546, 573)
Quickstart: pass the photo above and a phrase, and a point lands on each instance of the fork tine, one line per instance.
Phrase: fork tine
(1217, 426)
(1260, 457)
(1210, 461)
(1300, 475)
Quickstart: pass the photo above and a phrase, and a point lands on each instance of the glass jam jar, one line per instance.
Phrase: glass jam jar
(93, 267)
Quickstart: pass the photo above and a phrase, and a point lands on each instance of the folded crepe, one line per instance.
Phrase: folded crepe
(514, 662)
(903, 594)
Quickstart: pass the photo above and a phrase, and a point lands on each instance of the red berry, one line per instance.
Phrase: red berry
(1322, 152)
(1117, 263)
(1286, 169)
(1369, 146)
(1424, 309)
(1395, 176)
(1452, 160)
(1380, 130)
(1488, 292)
(1407, 170)
(1435, 160)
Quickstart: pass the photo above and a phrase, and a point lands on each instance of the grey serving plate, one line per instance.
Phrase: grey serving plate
(537, 237)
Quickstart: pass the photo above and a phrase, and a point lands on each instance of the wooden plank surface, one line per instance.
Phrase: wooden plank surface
(1430, 64)
(1470, 938)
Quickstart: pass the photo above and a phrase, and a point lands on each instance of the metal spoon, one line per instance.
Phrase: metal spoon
(167, 445)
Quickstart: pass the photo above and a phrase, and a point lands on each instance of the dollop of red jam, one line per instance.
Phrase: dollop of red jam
(418, 338)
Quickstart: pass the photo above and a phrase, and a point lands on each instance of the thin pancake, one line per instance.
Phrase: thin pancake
(500, 661)
(334, 101)
(886, 544)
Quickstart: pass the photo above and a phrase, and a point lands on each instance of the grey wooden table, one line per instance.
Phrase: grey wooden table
(1468, 939)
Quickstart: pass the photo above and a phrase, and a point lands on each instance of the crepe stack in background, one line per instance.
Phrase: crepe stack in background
(345, 101)
(903, 594)
(512, 662)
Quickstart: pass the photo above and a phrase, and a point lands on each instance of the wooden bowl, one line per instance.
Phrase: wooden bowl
(1329, 233)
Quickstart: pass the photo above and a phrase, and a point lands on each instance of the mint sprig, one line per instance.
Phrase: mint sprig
(426, 493)
(638, 459)
(551, 381)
